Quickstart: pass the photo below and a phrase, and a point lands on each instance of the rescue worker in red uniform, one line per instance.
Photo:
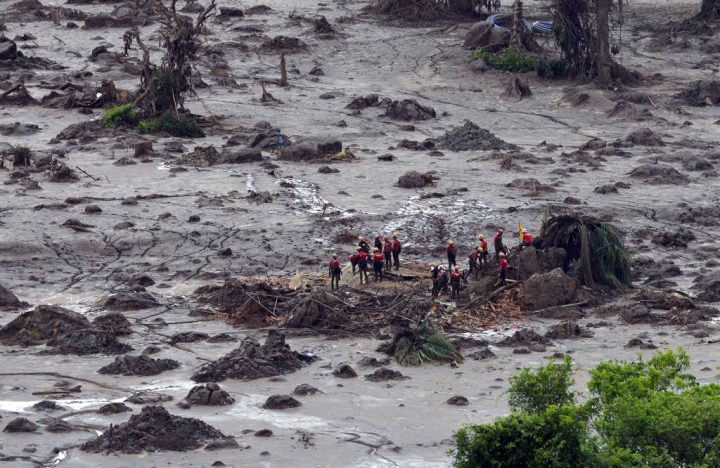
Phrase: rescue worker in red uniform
(484, 246)
(527, 239)
(378, 243)
(451, 251)
(503, 268)
(396, 248)
(363, 265)
(455, 279)
(378, 260)
(387, 251)
(473, 262)
(354, 260)
(498, 244)
(335, 272)
(363, 245)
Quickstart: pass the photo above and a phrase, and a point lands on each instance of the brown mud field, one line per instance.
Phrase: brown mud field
(165, 300)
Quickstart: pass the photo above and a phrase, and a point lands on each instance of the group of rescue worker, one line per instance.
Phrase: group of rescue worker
(386, 255)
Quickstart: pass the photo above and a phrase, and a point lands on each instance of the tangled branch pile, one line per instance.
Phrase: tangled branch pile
(428, 10)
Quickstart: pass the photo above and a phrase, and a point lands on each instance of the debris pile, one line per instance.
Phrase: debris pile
(138, 365)
(83, 342)
(42, 325)
(408, 110)
(154, 429)
(209, 394)
(470, 137)
(251, 360)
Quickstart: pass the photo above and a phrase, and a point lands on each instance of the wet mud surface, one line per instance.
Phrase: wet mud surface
(123, 266)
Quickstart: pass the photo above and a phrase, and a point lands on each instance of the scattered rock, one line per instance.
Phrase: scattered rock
(59, 425)
(84, 342)
(703, 93)
(606, 189)
(209, 394)
(113, 408)
(284, 44)
(139, 365)
(281, 402)
(384, 374)
(113, 322)
(42, 325)
(644, 137)
(408, 110)
(148, 397)
(638, 314)
(9, 301)
(457, 400)
(251, 360)
(707, 285)
(414, 179)
(524, 337)
(678, 239)
(363, 102)
(93, 209)
(17, 128)
(638, 343)
(483, 353)
(243, 156)
(659, 174)
(305, 390)
(344, 371)
(130, 301)
(310, 149)
(152, 430)
(373, 362)
(21, 425)
(568, 330)
(188, 337)
(47, 405)
(263, 433)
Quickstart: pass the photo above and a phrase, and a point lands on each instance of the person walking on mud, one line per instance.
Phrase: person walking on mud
(498, 244)
(503, 266)
(354, 260)
(396, 248)
(451, 251)
(387, 251)
(363, 265)
(455, 280)
(473, 262)
(363, 245)
(335, 272)
(378, 261)
(483, 258)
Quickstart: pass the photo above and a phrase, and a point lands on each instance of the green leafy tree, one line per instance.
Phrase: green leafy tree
(535, 391)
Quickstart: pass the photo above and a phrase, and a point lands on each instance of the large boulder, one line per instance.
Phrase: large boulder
(8, 50)
(414, 179)
(310, 149)
(530, 261)
(41, 325)
(708, 287)
(550, 289)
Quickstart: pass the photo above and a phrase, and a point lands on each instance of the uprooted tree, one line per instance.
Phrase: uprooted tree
(582, 32)
(164, 87)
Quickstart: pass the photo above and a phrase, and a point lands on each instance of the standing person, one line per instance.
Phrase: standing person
(503, 268)
(473, 261)
(498, 243)
(335, 272)
(363, 245)
(378, 264)
(455, 279)
(435, 275)
(363, 265)
(484, 246)
(354, 260)
(387, 251)
(442, 281)
(451, 251)
(526, 239)
(378, 243)
(396, 248)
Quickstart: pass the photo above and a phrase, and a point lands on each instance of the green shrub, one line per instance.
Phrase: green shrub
(170, 123)
(533, 392)
(640, 414)
(123, 114)
(509, 59)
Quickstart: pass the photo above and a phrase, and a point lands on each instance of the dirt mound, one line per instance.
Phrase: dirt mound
(305, 390)
(629, 111)
(114, 322)
(318, 310)
(139, 365)
(209, 394)
(530, 261)
(84, 342)
(664, 300)
(408, 110)
(9, 301)
(251, 360)
(344, 371)
(531, 185)
(154, 429)
(113, 408)
(550, 289)
(568, 330)
(384, 374)
(524, 337)
(130, 301)
(414, 179)
(310, 149)
(481, 354)
(363, 102)
(281, 402)
(639, 313)
(485, 36)
(248, 305)
(42, 325)
(702, 93)
(457, 400)
(677, 239)
(642, 137)
(284, 44)
(47, 405)
(659, 174)
(201, 156)
(470, 137)
(708, 287)
(21, 425)
(188, 337)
